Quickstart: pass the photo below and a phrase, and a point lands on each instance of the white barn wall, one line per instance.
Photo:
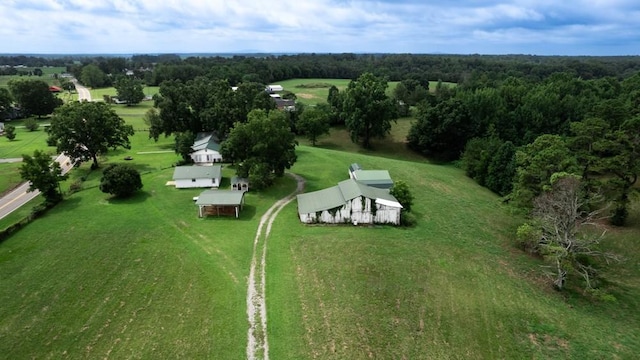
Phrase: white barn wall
(353, 211)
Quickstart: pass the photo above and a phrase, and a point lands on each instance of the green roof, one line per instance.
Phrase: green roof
(220, 197)
(377, 178)
(206, 141)
(197, 172)
(338, 195)
(320, 200)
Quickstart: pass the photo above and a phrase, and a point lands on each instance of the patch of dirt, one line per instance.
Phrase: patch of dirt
(305, 95)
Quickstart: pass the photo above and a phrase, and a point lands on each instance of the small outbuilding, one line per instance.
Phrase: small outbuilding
(239, 184)
(197, 176)
(349, 202)
(220, 202)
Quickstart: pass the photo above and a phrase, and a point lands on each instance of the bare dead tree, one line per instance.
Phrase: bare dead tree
(570, 235)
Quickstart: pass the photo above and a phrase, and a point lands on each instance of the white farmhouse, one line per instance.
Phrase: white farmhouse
(197, 176)
(206, 149)
(349, 202)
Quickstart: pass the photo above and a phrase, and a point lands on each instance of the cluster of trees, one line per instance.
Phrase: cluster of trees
(32, 96)
(513, 137)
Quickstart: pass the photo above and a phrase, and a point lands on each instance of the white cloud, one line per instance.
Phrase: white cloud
(133, 26)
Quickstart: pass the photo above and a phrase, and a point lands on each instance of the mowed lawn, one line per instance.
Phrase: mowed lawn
(453, 287)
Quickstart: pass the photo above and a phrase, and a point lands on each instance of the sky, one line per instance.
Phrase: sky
(538, 27)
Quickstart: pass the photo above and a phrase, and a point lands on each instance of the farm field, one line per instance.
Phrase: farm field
(146, 278)
(314, 91)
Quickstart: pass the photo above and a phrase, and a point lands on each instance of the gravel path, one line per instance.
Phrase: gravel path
(257, 344)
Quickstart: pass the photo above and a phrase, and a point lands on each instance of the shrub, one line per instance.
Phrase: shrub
(408, 219)
(31, 124)
(120, 180)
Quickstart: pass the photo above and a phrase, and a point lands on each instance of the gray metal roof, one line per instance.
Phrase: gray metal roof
(220, 197)
(320, 200)
(377, 178)
(338, 195)
(197, 172)
(206, 141)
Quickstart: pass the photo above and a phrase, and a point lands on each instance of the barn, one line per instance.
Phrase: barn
(220, 202)
(349, 202)
(197, 176)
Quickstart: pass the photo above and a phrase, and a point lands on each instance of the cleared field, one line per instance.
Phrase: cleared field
(315, 91)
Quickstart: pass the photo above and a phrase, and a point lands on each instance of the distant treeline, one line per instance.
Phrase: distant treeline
(463, 69)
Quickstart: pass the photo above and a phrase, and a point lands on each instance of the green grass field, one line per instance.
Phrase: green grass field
(315, 91)
(146, 278)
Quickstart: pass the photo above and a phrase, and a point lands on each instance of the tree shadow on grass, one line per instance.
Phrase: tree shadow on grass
(138, 197)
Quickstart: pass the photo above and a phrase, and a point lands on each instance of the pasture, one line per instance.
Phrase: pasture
(315, 91)
(146, 278)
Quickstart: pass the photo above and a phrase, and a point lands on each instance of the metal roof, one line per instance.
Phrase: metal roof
(206, 141)
(338, 195)
(197, 172)
(220, 197)
(320, 200)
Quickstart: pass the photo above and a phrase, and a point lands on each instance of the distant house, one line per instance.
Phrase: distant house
(55, 89)
(220, 202)
(206, 149)
(349, 202)
(239, 184)
(376, 178)
(197, 176)
(274, 88)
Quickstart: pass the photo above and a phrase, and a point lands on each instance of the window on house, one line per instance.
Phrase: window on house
(193, 180)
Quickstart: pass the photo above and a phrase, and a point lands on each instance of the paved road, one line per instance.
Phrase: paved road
(83, 92)
(20, 195)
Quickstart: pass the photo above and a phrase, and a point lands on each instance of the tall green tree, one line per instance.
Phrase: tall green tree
(5, 102)
(43, 175)
(262, 148)
(129, 89)
(10, 132)
(442, 130)
(368, 110)
(34, 96)
(120, 180)
(92, 76)
(536, 163)
(84, 130)
(313, 123)
(622, 160)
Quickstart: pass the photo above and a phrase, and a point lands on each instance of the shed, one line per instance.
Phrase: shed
(220, 202)
(197, 176)
(349, 202)
(239, 184)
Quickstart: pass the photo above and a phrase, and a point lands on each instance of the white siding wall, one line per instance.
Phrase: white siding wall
(206, 157)
(198, 183)
(353, 211)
